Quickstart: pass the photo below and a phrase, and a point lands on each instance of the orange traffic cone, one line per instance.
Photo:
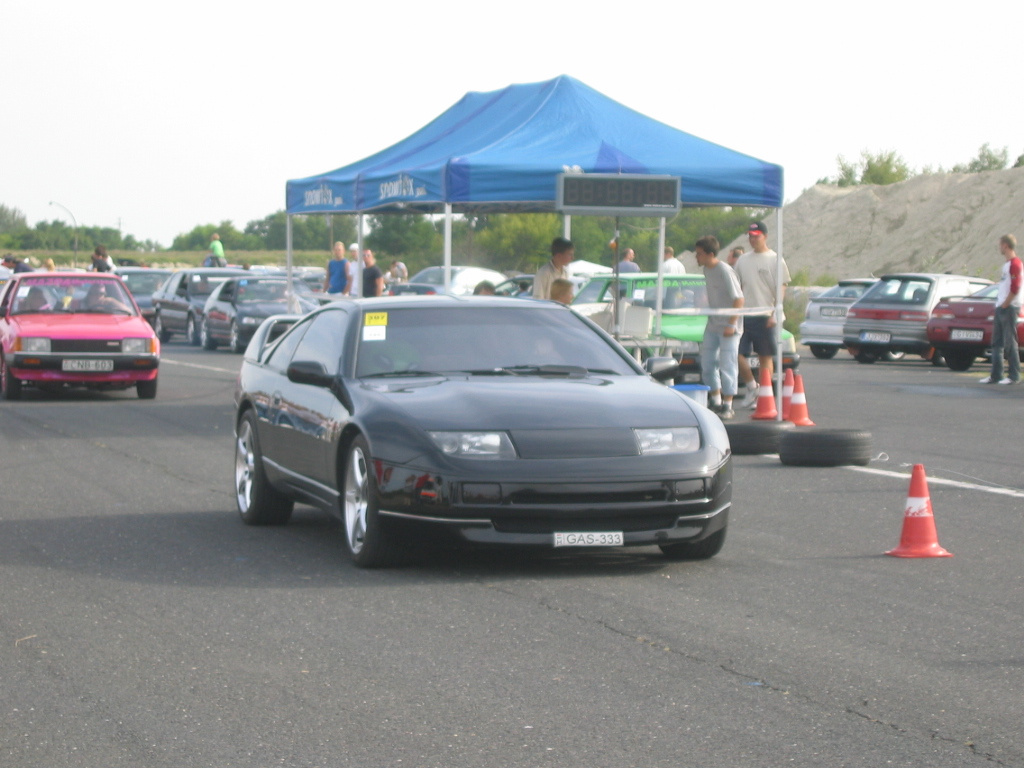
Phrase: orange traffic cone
(765, 398)
(919, 538)
(787, 393)
(798, 406)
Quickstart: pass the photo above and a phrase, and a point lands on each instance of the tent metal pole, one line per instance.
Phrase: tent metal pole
(357, 289)
(447, 247)
(778, 314)
(661, 281)
(292, 302)
(567, 226)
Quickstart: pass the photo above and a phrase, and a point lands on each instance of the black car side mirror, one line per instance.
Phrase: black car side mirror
(661, 368)
(309, 372)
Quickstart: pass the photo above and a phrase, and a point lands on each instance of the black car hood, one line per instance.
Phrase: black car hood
(534, 402)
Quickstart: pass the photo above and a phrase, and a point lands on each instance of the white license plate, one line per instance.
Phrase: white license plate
(876, 337)
(962, 334)
(589, 539)
(833, 311)
(92, 366)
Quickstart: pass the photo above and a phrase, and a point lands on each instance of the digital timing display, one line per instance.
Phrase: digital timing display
(617, 194)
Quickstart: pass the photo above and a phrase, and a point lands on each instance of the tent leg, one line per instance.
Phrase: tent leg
(447, 247)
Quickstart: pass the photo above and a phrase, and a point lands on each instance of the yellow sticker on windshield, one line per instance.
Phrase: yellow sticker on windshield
(375, 318)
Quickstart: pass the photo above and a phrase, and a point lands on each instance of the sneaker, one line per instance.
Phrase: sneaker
(726, 413)
(750, 399)
(987, 380)
(1007, 380)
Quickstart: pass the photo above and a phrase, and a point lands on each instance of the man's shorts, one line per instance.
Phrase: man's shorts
(757, 337)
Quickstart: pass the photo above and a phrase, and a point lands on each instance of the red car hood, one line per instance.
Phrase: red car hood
(81, 326)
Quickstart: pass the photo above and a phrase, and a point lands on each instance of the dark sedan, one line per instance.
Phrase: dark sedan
(142, 283)
(237, 306)
(498, 420)
(178, 303)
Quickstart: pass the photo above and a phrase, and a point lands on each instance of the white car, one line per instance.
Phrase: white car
(431, 280)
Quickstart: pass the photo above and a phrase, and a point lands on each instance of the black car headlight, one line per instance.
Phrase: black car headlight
(474, 445)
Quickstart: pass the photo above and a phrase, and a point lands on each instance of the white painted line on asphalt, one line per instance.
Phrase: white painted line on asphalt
(165, 361)
(942, 481)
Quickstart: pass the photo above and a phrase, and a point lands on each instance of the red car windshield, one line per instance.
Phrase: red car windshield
(70, 294)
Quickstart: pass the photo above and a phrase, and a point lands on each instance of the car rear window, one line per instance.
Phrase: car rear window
(897, 290)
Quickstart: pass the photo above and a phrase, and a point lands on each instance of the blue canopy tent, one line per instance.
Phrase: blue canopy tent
(502, 150)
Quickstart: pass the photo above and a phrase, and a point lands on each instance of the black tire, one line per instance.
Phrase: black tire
(959, 360)
(818, 447)
(700, 550)
(936, 358)
(257, 501)
(10, 387)
(749, 438)
(369, 539)
(865, 357)
(205, 338)
(823, 353)
(892, 356)
(192, 330)
(146, 390)
(158, 328)
(235, 341)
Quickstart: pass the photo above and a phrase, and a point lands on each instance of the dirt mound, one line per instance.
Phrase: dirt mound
(943, 222)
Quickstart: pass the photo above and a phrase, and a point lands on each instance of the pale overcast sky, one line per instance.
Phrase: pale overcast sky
(159, 117)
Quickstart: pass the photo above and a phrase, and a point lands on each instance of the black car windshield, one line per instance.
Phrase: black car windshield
(66, 293)
(512, 340)
(144, 283)
(898, 290)
(267, 290)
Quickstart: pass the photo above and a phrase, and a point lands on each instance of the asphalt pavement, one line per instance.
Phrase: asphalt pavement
(142, 625)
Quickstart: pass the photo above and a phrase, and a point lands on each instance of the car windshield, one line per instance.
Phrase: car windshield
(253, 291)
(898, 290)
(486, 341)
(203, 285)
(143, 283)
(72, 294)
(689, 293)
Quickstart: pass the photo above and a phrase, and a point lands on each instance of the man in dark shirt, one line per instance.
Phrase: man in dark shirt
(373, 278)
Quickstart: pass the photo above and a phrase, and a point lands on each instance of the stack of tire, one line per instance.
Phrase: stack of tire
(801, 446)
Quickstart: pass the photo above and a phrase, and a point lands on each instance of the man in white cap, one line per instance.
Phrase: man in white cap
(353, 269)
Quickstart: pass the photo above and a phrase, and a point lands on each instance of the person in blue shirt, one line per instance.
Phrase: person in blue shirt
(336, 279)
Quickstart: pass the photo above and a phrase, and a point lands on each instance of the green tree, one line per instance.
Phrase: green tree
(519, 242)
(11, 219)
(199, 238)
(309, 233)
(987, 159)
(873, 168)
(410, 237)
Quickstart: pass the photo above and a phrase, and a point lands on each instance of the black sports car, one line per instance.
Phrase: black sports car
(237, 306)
(505, 421)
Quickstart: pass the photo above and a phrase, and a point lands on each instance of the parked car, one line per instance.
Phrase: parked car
(638, 291)
(239, 304)
(822, 328)
(60, 329)
(475, 416)
(961, 328)
(178, 303)
(522, 285)
(143, 282)
(892, 315)
(431, 281)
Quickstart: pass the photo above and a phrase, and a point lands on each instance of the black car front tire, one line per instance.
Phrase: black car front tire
(234, 340)
(192, 331)
(258, 502)
(158, 328)
(370, 543)
(207, 340)
(957, 360)
(822, 352)
(146, 390)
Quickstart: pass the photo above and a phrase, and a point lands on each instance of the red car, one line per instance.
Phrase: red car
(961, 328)
(79, 329)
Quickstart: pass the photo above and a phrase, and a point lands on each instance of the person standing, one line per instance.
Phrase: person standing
(373, 278)
(336, 280)
(719, 350)
(671, 265)
(101, 262)
(734, 256)
(758, 272)
(1004, 327)
(628, 263)
(216, 257)
(399, 272)
(562, 252)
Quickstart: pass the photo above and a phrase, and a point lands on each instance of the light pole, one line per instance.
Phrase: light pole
(73, 219)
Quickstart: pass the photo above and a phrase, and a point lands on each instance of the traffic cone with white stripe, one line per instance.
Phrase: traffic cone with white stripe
(765, 398)
(787, 393)
(919, 538)
(798, 405)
